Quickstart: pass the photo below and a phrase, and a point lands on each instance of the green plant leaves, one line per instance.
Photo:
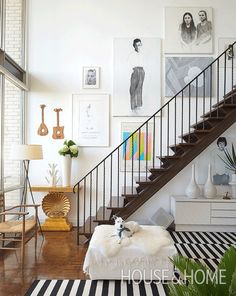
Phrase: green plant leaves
(202, 281)
(230, 160)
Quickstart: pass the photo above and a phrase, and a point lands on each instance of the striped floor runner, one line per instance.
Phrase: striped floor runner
(94, 288)
(205, 247)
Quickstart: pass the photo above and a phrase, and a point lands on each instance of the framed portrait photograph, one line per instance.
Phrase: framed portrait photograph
(91, 77)
(179, 71)
(136, 79)
(90, 119)
(223, 44)
(140, 148)
(188, 30)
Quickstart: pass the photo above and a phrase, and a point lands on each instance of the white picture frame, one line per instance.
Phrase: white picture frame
(90, 119)
(188, 30)
(137, 76)
(146, 147)
(91, 77)
(223, 44)
(179, 71)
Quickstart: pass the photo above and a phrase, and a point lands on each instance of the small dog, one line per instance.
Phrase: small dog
(124, 229)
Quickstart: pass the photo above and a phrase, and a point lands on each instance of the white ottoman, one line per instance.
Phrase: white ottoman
(144, 256)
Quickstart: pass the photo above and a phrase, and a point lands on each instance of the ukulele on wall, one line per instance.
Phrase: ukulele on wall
(58, 131)
(42, 130)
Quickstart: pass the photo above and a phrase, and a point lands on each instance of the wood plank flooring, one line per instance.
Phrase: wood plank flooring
(58, 257)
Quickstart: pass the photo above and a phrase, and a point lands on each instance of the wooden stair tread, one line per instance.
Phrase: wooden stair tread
(170, 157)
(103, 214)
(129, 191)
(116, 202)
(195, 132)
(142, 180)
(182, 144)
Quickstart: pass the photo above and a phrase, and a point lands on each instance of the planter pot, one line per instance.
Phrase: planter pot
(233, 178)
(233, 185)
(66, 170)
(193, 190)
(209, 189)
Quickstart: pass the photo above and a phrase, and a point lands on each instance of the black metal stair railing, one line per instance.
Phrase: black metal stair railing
(155, 145)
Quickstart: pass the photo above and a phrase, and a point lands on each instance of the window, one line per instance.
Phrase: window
(14, 30)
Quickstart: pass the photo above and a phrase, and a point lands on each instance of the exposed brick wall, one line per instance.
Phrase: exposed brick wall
(13, 34)
(12, 134)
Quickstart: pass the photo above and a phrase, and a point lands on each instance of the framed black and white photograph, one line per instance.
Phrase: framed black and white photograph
(90, 119)
(188, 30)
(179, 71)
(136, 79)
(223, 44)
(91, 77)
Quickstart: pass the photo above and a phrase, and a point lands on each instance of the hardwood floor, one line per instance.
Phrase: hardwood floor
(58, 257)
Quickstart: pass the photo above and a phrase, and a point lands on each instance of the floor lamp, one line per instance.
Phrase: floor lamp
(26, 153)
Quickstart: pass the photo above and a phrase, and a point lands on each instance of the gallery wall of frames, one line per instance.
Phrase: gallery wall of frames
(115, 69)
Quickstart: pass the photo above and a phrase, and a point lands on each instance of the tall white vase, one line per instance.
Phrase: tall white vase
(209, 189)
(193, 190)
(66, 170)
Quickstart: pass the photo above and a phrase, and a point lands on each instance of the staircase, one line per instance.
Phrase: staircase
(160, 148)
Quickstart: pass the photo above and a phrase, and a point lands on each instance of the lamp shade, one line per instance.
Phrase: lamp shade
(26, 152)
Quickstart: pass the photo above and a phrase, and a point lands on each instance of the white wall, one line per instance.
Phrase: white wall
(64, 36)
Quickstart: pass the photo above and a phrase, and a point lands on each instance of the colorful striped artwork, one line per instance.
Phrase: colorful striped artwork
(130, 150)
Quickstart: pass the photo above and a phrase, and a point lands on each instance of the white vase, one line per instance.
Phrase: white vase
(66, 170)
(193, 190)
(209, 189)
(233, 185)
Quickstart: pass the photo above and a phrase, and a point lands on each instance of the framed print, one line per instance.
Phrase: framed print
(188, 30)
(91, 77)
(136, 83)
(140, 149)
(179, 71)
(90, 119)
(223, 44)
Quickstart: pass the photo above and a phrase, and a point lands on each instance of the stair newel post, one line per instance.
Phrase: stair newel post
(168, 129)
(175, 124)
(96, 194)
(111, 181)
(189, 110)
(139, 151)
(154, 140)
(84, 201)
(218, 86)
(104, 188)
(132, 163)
(196, 99)
(90, 202)
(210, 89)
(118, 175)
(204, 98)
(78, 212)
(232, 69)
(146, 150)
(161, 134)
(125, 143)
(225, 73)
(182, 115)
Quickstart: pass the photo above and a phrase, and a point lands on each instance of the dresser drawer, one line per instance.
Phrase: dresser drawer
(223, 206)
(192, 213)
(223, 221)
(223, 213)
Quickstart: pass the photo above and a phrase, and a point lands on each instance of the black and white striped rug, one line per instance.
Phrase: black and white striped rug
(204, 247)
(94, 288)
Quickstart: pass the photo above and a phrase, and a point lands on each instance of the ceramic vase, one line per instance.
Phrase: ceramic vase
(233, 185)
(193, 190)
(66, 170)
(209, 189)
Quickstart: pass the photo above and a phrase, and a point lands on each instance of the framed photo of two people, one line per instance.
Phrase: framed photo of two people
(188, 30)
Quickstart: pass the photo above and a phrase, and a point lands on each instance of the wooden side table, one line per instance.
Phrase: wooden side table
(56, 206)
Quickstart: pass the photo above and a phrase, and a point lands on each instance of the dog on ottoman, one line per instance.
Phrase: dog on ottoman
(124, 229)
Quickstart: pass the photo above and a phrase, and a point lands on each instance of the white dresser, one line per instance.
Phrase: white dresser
(203, 214)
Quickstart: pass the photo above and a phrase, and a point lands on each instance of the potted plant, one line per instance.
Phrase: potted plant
(230, 161)
(201, 281)
(68, 150)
